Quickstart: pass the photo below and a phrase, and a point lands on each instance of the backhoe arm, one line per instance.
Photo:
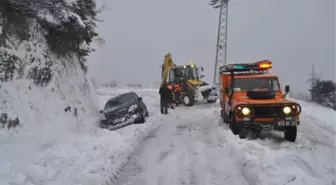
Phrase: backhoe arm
(168, 63)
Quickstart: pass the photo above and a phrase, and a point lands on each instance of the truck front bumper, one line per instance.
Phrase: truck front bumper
(267, 125)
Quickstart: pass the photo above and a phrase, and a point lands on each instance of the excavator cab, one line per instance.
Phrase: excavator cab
(183, 73)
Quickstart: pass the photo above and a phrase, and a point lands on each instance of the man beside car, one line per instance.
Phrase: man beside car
(165, 97)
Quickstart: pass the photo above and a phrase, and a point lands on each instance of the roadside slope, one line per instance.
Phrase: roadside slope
(54, 147)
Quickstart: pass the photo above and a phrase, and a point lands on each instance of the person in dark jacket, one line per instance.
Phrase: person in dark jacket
(165, 96)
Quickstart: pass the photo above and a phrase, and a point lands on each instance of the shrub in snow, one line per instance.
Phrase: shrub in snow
(323, 92)
(8, 123)
(7, 66)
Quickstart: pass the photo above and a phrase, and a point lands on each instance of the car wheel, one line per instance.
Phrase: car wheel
(142, 117)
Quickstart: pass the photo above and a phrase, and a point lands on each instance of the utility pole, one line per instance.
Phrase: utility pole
(313, 83)
(221, 50)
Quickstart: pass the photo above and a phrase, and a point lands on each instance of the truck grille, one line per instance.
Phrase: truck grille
(117, 114)
(262, 111)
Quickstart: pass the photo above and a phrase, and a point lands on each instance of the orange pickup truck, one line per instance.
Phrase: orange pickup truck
(251, 100)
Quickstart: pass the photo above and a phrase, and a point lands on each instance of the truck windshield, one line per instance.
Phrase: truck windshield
(254, 84)
(191, 73)
(188, 73)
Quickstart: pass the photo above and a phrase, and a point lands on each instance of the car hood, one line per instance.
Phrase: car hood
(118, 107)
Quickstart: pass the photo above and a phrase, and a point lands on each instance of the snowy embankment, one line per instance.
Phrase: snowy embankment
(55, 147)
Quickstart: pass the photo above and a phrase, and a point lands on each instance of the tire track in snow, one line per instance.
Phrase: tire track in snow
(130, 168)
(212, 161)
(156, 161)
(191, 151)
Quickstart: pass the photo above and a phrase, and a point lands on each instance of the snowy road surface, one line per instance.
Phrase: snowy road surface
(188, 146)
(193, 146)
(185, 149)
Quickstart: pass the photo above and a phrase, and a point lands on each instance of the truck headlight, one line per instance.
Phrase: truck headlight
(246, 111)
(287, 110)
(132, 108)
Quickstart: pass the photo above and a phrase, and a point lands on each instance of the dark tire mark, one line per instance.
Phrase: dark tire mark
(130, 168)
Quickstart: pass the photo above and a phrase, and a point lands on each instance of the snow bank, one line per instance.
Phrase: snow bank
(309, 161)
(43, 119)
(313, 110)
(53, 147)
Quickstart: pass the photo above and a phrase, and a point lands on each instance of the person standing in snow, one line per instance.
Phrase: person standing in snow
(164, 98)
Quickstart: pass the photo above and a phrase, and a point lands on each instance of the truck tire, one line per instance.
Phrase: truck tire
(234, 128)
(242, 133)
(290, 133)
(188, 100)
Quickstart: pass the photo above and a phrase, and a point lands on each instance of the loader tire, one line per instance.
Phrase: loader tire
(188, 100)
(290, 133)
(212, 101)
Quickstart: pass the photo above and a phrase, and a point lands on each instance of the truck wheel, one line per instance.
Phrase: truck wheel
(242, 133)
(235, 130)
(222, 114)
(188, 100)
(290, 133)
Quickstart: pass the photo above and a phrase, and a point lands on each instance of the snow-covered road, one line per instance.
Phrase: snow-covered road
(193, 146)
(185, 149)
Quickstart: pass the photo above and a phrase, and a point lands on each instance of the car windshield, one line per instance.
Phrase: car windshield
(254, 84)
(121, 99)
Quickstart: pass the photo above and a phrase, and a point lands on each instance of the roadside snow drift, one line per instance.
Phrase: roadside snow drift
(54, 147)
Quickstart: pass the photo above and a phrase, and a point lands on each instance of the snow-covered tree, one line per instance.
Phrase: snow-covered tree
(323, 92)
(62, 28)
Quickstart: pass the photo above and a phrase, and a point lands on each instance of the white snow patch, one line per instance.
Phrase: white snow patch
(53, 147)
(309, 161)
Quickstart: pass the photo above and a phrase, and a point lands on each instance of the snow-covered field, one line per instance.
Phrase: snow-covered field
(188, 146)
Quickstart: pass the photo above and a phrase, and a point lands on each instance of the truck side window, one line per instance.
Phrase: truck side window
(171, 75)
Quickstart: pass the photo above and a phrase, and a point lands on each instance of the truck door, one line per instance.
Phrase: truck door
(226, 101)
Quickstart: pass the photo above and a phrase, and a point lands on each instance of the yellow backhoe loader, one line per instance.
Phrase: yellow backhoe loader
(186, 83)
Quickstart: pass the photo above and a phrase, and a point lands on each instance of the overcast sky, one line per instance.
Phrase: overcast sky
(293, 34)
